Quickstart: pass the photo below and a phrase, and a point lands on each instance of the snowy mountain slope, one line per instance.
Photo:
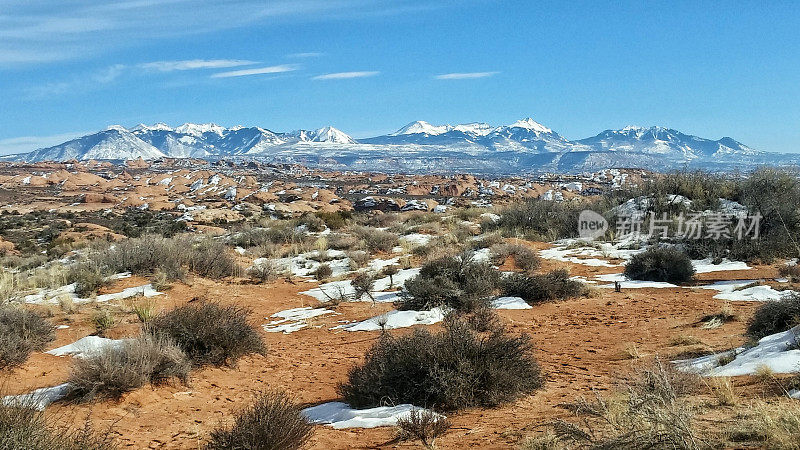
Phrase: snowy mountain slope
(665, 141)
(113, 143)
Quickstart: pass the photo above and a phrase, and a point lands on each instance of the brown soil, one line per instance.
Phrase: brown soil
(581, 346)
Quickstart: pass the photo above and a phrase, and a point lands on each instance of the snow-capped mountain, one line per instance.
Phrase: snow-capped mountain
(115, 142)
(521, 147)
(665, 141)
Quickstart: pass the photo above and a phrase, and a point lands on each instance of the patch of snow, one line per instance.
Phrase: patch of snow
(510, 303)
(774, 352)
(340, 415)
(291, 320)
(396, 319)
(707, 265)
(39, 398)
(733, 290)
(626, 283)
(86, 346)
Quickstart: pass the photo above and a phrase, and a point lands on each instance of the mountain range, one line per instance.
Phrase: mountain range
(524, 146)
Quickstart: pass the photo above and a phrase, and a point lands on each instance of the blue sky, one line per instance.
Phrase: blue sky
(368, 67)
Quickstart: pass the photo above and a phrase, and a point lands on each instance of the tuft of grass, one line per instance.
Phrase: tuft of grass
(652, 414)
(723, 390)
(425, 426)
(103, 320)
(144, 308)
(209, 333)
(263, 272)
(272, 422)
(774, 425)
(21, 333)
(684, 339)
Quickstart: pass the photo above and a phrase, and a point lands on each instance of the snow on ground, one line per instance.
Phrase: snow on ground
(482, 255)
(86, 346)
(567, 255)
(337, 288)
(396, 319)
(579, 251)
(626, 283)
(340, 415)
(734, 290)
(416, 239)
(377, 265)
(775, 352)
(145, 290)
(52, 296)
(291, 320)
(304, 265)
(706, 265)
(510, 303)
(39, 398)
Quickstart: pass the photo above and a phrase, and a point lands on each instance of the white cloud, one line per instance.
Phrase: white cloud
(30, 143)
(465, 75)
(257, 71)
(192, 64)
(345, 75)
(305, 55)
(34, 32)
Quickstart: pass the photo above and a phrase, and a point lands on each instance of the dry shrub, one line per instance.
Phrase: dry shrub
(424, 426)
(273, 421)
(23, 427)
(524, 257)
(323, 272)
(534, 289)
(774, 316)
(342, 241)
(363, 284)
(358, 258)
(212, 259)
(263, 272)
(376, 240)
(450, 370)
(209, 333)
(792, 272)
(487, 240)
(456, 281)
(660, 264)
(87, 276)
(722, 389)
(652, 415)
(115, 370)
(21, 332)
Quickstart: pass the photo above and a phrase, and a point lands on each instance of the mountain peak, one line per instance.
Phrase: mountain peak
(530, 124)
(421, 127)
(160, 126)
(331, 134)
(198, 129)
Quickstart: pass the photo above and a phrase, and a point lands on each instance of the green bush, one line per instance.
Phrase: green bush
(454, 369)
(534, 289)
(209, 333)
(774, 316)
(457, 281)
(660, 264)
